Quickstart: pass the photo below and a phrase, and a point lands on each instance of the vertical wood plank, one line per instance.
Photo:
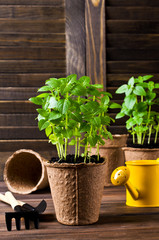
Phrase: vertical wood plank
(75, 37)
(95, 41)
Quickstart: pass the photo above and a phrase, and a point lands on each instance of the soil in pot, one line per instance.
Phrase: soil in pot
(70, 158)
(149, 146)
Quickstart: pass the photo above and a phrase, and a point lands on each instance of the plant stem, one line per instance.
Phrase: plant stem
(90, 136)
(85, 152)
(76, 143)
(133, 134)
(139, 136)
(149, 111)
(66, 140)
(150, 131)
(90, 154)
(79, 139)
(143, 139)
(98, 151)
(58, 151)
(156, 135)
(133, 138)
(79, 142)
(62, 150)
(98, 142)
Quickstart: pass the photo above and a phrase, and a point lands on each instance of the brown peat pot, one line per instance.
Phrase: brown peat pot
(113, 153)
(77, 191)
(131, 153)
(24, 172)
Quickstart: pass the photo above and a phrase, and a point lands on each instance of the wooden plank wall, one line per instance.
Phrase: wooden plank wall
(75, 37)
(109, 40)
(95, 40)
(132, 40)
(32, 49)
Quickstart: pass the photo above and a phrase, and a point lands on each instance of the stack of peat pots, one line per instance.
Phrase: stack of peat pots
(113, 153)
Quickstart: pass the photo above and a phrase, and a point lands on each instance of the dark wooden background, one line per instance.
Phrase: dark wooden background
(132, 37)
(109, 40)
(32, 49)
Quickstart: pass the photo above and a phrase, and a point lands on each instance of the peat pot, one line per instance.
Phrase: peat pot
(113, 153)
(131, 153)
(24, 172)
(76, 191)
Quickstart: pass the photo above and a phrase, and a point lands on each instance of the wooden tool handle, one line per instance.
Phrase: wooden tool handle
(3, 198)
(11, 199)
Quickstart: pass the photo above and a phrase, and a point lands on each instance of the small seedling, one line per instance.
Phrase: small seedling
(74, 112)
(140, 96)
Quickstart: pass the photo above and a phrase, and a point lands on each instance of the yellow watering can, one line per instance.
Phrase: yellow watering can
(141, 179)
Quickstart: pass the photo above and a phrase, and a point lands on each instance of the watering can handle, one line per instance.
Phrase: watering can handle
(120, 176)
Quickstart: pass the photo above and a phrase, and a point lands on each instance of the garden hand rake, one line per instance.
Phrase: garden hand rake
(19, 213)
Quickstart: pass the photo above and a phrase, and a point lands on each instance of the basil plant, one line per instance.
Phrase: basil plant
(139, 106)
(74, 112)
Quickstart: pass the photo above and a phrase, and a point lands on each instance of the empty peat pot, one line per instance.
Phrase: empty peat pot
(141, 179)
(24, 172)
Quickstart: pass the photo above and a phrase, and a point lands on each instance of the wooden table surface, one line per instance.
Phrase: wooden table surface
(116, 220)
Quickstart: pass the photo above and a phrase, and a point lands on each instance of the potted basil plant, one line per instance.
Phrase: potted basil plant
(139, 108)
(74, 113)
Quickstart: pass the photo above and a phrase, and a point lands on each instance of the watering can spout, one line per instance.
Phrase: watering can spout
(120, 176)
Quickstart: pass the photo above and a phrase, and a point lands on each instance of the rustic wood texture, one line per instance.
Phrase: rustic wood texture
(31, 53)
(95, 41)
(31, 12)
(132, 26)
(132, 36)
(18, 119)
(137, 12)
(37, 26)
(131, 3)
(17, 107)
(32, 49)
(20, 93)
(21, 132)
(32, 39)
(34, 144)
(132, 54)
(26, 79)
(31, 66)
(75, 37)
(136, 41)
(116, 220)
(53, 3)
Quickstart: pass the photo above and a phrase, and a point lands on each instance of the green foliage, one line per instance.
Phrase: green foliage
(74, 112)
(140, 96)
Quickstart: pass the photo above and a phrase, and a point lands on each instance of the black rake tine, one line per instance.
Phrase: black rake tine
(28, 216)
(36, 222)
(27, 223)
(18, 223)
(8, 219)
